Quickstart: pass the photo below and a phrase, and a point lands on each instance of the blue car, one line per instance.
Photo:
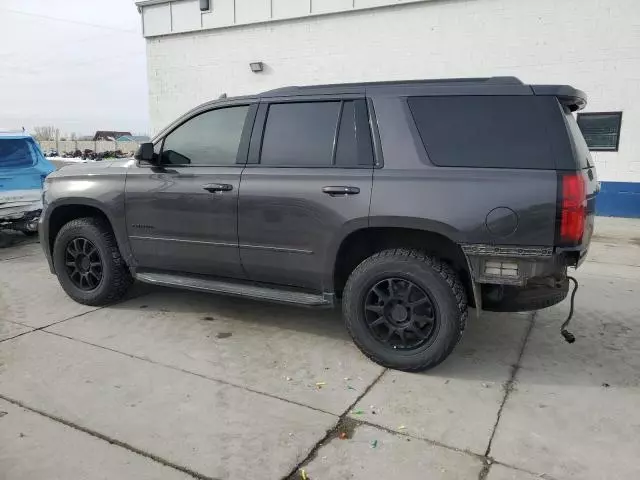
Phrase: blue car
(23, 169)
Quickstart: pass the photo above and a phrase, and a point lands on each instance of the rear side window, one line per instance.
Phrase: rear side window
(317, 134)
(578, 143)
(347, 147)
(488, 131)
(15, 152)
(300, 134)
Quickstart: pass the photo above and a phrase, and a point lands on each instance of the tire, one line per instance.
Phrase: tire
(113, 279)
(436, 279)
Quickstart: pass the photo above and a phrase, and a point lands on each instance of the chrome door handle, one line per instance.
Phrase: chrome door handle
(217, 187)
(340, 190)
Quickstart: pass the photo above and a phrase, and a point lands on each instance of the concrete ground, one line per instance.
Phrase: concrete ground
(173, 384)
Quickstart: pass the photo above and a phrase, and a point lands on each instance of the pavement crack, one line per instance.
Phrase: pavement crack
(484, 471)
(344, 422)
(508, 388)
(44, 327)
(37, 329)
(113, 441)
(17, 258)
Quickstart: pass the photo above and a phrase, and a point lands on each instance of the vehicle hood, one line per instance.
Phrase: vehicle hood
(111, 167)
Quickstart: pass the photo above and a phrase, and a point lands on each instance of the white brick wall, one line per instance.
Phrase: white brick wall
(591, 44)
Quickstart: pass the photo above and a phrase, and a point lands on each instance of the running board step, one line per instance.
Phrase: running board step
(236, 289)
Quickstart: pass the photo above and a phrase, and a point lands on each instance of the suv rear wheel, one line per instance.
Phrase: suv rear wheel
(405, 309)
(88, 263)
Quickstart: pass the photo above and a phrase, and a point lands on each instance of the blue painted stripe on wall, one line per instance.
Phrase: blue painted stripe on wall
(619, 199)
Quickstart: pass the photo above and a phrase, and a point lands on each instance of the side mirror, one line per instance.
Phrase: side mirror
(146, 153)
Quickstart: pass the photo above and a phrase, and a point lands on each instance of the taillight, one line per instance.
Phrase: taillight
(573, 208)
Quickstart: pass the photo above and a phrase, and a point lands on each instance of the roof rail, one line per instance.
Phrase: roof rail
(436, 81)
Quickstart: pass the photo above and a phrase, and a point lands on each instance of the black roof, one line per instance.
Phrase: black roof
(573, 98)
(477, 81)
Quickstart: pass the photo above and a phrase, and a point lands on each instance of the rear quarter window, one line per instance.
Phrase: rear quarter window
(15, 152)
(489, 131)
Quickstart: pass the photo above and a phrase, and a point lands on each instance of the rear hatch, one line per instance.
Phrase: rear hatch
(577, 179)
(587, 170)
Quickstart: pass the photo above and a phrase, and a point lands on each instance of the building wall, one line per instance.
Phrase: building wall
(591, 44)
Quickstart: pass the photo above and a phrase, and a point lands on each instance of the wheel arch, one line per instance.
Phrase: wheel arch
(364, 242)
(63, 212)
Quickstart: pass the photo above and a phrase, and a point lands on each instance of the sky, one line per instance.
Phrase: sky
(78, 65)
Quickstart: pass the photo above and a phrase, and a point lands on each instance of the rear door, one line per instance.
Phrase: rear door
(308, 178)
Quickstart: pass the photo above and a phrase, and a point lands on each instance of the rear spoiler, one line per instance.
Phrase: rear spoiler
(568, 96)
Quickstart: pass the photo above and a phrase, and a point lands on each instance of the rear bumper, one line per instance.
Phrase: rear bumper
(539, 293)
(517, 279)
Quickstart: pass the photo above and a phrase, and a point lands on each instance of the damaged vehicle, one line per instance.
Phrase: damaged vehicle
(404, 203)
(23, 169)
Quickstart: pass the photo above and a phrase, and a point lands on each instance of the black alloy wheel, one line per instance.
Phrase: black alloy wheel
(405, 309)
(83, 264)
(400, 314)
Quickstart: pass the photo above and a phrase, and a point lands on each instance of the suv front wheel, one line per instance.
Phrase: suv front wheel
(88, 263)
(405, 309)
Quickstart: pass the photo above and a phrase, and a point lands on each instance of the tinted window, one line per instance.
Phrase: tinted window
(211, 138)
(300, 134)
(347, 147)
(601, 130)
(577, 141)
(489, 131)
(15, 152)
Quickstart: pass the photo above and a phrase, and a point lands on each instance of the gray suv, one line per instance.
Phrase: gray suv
(405, 202)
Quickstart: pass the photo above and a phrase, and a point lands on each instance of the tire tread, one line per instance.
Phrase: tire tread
(442, 268)
(122, 279)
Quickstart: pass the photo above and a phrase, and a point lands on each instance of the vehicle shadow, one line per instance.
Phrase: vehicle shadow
(488, 352)
(12, 238)
(324, 322)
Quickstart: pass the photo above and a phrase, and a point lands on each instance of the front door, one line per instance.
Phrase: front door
(182, 215)
(308, 180)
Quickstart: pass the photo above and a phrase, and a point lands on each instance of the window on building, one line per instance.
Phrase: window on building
(601, 130)
(211, 138)
(300, 134)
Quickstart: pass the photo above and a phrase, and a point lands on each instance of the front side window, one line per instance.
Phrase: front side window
(300, 134)
(211, 138)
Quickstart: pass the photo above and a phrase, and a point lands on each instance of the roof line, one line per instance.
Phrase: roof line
(436, 81)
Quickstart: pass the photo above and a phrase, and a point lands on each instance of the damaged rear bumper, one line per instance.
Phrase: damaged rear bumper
(517, 279)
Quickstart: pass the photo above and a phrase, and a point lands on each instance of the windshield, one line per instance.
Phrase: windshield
(15, 152)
